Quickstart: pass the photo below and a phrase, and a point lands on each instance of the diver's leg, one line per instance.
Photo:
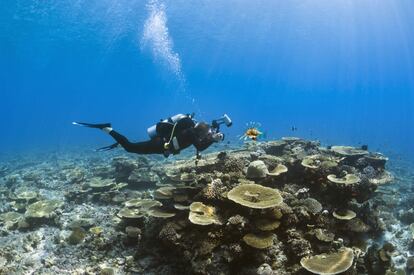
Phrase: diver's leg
(153, 146)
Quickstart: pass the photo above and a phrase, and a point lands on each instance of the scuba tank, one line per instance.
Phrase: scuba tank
(152, 131)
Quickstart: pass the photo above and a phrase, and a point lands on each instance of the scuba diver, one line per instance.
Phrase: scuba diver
(169, 136)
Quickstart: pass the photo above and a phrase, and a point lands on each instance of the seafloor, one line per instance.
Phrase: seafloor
(287, 206)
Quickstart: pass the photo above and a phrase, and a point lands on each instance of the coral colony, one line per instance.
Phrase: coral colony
(287, 206)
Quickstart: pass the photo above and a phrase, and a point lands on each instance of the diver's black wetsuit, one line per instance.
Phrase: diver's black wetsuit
(184, 132)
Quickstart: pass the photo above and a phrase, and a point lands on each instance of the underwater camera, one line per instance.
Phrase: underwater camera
(225, 119)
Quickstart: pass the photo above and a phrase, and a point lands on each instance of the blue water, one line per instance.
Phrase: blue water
(340, 71)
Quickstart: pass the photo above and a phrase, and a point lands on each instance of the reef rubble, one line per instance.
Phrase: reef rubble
(288, 206)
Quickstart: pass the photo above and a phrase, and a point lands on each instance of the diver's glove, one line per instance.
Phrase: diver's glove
(217, 137)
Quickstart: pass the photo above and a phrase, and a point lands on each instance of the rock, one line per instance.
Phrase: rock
(85, 223)
(169, 235)
(75, 175)
(373, 262)
(142, 177)
(23, 224)
(100, 185)
(274, 147)
(237, 220)
(297, 245)
(257, 170)
(264, 269)
(123, 168)
(129, 261)
(77, 236)
(133, 232)
(3, 262)
(407, 216)
(357, 225)
(311, 205)
(107, 271)
(410, 263)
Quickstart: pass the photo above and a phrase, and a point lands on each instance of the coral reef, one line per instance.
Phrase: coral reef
(287, 206)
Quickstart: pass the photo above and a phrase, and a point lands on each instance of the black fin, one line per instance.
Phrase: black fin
(90, 125)
(107, 148)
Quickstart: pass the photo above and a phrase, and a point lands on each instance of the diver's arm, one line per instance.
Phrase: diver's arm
(203, 145)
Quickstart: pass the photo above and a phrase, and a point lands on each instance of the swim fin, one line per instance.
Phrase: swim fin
(90, 125)
(107, 148)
